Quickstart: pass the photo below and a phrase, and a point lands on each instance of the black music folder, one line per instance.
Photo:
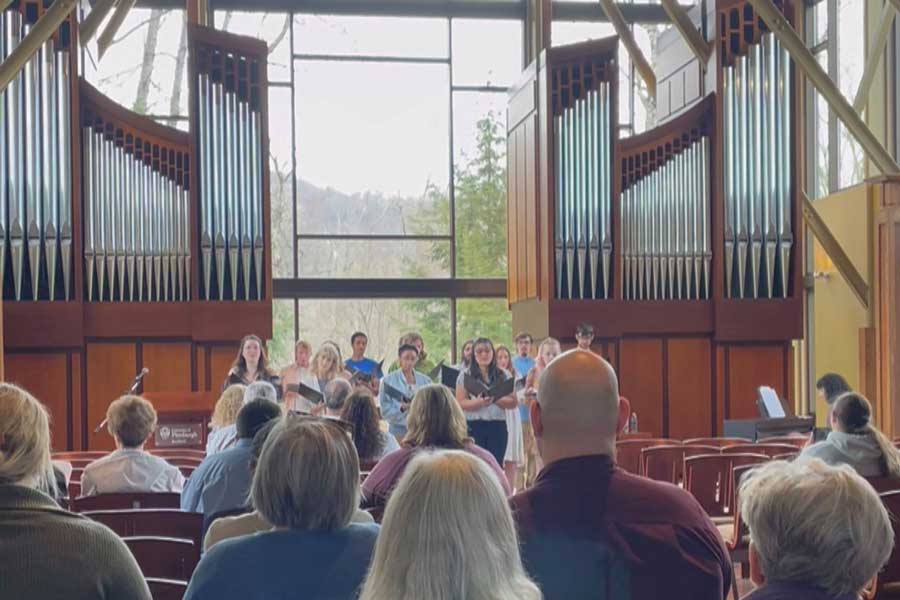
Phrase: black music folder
(477, 388)
(314, 396)
(449, 375)
(358, 377)
(392, 392)
(432, 374)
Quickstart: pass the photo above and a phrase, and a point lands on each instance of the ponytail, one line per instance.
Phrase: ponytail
(854, 414)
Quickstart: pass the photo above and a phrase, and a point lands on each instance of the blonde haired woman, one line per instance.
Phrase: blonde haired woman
(547, 351)
(448, 533)
(435, 422)
(295, 372)
(325, 366)
(222, 433)
(855, 441)
(48, 552)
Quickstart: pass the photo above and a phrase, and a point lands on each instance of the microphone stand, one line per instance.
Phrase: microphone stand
(131, 390)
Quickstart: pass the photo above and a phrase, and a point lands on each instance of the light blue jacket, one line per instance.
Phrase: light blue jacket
(390, 408)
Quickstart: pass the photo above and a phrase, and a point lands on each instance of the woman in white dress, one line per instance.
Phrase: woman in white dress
(515, 452)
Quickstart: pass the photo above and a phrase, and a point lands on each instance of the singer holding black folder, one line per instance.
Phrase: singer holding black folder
(485, 413)
(399, 387)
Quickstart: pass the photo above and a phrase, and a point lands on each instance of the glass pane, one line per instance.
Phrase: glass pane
(820, 122)
(272, 28)
(383, 321)
(484, 317)
(479, 134)
(486, 52)
(572, 32)
(820, 16)
(372, 147)
(374, 259)
(281, 347)
(646, 36)
(371, 36)
(281, 183)
(851, 63)
(852, 159)
(145, 68)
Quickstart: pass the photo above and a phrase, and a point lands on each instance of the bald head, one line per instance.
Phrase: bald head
(579, 405)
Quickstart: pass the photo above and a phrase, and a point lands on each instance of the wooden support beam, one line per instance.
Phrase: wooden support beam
(42, 31)
(641, 65)
(4, 4)
(835, 252)
(91, 23)
(875, 54)
(810, 67)
(692, 37)
(109, 32)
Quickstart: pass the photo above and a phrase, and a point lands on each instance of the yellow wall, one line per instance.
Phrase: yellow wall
(838, 314)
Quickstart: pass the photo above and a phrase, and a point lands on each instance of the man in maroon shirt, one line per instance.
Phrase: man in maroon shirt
(592, 530)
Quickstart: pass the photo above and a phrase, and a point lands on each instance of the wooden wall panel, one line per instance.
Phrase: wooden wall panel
(512, 213)
(79, 437)
(200, 358)
(110, 367)
(689, 387)
(720, 413)
(169, 364)
(45, 376)
(220, 361)
(522, 194)
(749, 367)
(641, 381)
(531, 179)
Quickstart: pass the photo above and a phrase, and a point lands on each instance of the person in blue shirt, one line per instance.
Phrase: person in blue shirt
(523, 364)
(306, 484)
(222, 481)
(359, 341)
(405, 380)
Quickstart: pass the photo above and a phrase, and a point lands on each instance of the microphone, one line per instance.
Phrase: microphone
(134, 386)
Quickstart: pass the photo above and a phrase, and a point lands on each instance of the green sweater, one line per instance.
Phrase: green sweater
(48, 553)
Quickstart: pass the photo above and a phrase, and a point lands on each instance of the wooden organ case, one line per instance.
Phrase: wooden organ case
(681, 245)
(126, 244)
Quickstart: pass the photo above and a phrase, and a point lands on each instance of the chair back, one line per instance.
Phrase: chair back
(708, 477)
(78, 463)
(666, 463)
(738, 543)
(74, 489)
(884, 484)
(769, 450)
(182, 461)
(125, 500)
(186, 452)
(166, 589)
(76, 474)
(79, 455)
(164, 522)
(890, 574)
(798, 441)
(788, 456)
(720, 442)
(187, 471)
(628, 451)
(164, 557)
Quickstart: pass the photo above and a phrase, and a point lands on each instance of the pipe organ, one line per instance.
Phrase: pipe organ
(679, 245)
(35, 162)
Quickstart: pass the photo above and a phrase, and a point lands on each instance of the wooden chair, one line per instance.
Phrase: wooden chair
(635, 435)
(187, 471)
(74, 489)
(166, 589)
(628, 452)
(163, 557)
(735, 533)
(884, 484)
(125, 500)
(186, 452)
(377, 513)
(79, 455)
(720, 442)
(164, 522)
(788, 456)
(78, 463)
(798, 441)
(888, 585)
(183, 461)
(666, 463)
(76, 475)
(769, 450)
(708, 477)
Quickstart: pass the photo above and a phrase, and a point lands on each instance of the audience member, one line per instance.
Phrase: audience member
(233, 526)
(448, 533)
(258, 390)
(816, 532)
(295, 373)
(435, 422)
(547, 351)
(336, 392)
(828, 388)
(403, 381)
(486, 415)
(130, 420)
(592, 530)
(514, 456)
(307, 486)
(47, 552)
(250, 364)
(372, 444)
(222, 481)
(222, 434)
(855, 441)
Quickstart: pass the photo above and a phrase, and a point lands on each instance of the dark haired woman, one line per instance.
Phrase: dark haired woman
(854, 441)
(371, 443)
(406, 380)
(251, 365)
(486, 416)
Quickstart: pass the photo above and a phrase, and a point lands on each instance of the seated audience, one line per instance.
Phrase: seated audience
(130, 420)
(222, 481)
(435, 422)
(222, 434)
(592, 530)
(828, 388)
(258, 390)
(47, 552)
(853, 440)
(336, 393)
(448, 533)
(816, 532)
(307, 486)
(372, 444)
(228, 527)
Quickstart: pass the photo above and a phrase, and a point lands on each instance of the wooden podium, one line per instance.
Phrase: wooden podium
(183, 419)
